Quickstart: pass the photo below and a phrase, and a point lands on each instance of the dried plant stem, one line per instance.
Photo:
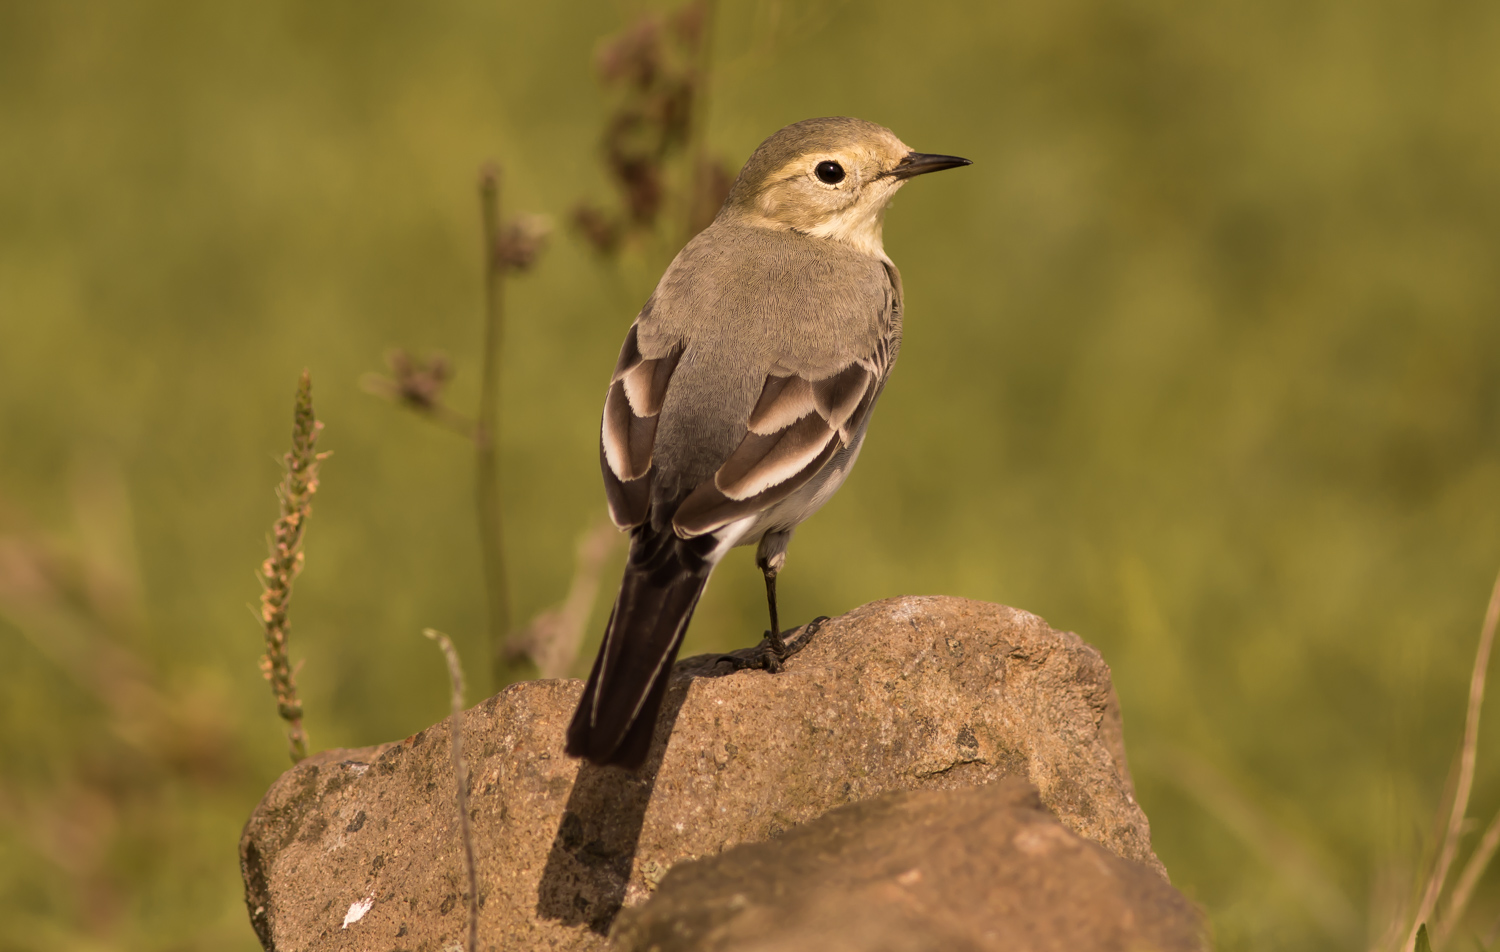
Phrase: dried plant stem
(554, 636)
(487, 429)
(1463, 890)
(284, 564)
(1467, 759)
(698, 168)
(460, 776)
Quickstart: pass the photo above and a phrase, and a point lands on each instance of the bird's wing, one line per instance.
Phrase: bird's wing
(802, 418)
(628, 435)
(796, 427)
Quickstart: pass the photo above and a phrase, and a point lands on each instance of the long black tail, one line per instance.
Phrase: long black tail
(617, 714)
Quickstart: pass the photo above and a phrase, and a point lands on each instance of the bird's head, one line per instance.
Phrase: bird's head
(830, 178)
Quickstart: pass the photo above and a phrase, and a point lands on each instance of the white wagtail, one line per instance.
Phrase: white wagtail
(741, 398)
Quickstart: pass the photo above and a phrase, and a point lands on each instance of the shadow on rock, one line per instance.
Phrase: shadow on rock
(588, 867)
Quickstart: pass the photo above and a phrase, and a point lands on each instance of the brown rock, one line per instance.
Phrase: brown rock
(905, 694)
(982, 869)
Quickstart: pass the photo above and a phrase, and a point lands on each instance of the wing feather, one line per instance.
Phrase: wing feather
(762, 461)
(837, 396)
(706, 508)
(629, 500)
(630, 352)
(769, 466)
(784, 401)
(614, 433)
(627, 434)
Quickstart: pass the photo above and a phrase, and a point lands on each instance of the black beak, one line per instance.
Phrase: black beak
(920, 163)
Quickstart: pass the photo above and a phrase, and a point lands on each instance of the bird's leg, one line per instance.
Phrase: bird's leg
(777, 651)
(773, 649)
(773, 637)
(770, 556)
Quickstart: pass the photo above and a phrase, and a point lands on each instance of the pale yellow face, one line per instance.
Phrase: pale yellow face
(839, 193)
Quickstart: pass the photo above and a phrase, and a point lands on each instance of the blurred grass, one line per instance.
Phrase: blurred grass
(1202, 362)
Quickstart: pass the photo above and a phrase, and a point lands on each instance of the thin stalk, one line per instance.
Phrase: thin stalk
(697, 152)
(1463, 891)
(284, 563)
(1467, 760)
(460, 776)
(487, 430)
(554, 636)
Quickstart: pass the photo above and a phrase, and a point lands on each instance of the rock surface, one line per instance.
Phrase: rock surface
(359, 849)
(986, 869)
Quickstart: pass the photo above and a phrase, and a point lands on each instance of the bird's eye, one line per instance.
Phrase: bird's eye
(829, 173)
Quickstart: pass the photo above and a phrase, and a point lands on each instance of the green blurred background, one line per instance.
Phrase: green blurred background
(1202, 362)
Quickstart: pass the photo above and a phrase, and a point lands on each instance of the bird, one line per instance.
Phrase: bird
(741, 398)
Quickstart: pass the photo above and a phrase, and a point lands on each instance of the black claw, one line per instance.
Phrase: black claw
(803, 637)
(773, 651)
(774, 643)
(735, 661)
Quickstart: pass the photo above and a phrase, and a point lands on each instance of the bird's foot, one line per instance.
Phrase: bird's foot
(773, 651)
